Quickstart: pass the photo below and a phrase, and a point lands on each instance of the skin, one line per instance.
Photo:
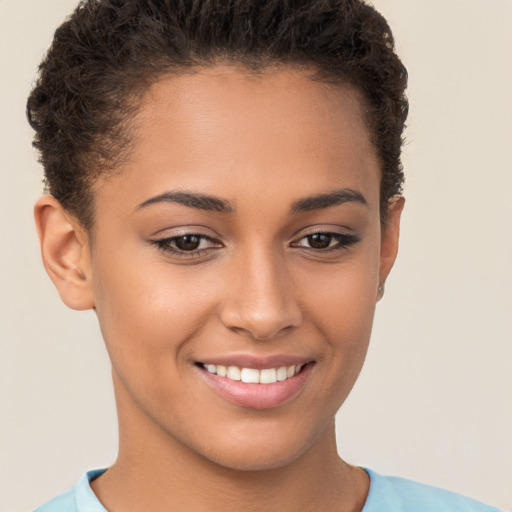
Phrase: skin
(261, 143)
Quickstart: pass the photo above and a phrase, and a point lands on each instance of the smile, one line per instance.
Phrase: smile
(270, 385)
(253, 375)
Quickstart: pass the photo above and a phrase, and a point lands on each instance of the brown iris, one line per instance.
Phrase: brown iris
(319, 240)
(187, 242)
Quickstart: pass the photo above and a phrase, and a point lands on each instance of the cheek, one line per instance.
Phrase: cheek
(145, 310)
(148, 319)
(344, 297)
(342, 311)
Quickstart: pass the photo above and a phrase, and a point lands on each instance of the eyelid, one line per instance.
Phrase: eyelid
(326, 230)
(164, 244)
(184, 230)
(344, 239)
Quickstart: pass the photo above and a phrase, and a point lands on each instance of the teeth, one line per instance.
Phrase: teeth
(282, 373)
(254, 376)
(233, 373)
(268, 376)
(250, 375)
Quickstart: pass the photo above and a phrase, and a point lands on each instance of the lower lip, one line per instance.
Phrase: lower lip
(258, 396)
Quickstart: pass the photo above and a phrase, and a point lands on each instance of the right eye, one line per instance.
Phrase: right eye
(187, 245)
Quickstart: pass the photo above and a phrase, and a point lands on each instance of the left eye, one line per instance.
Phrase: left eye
(187, 242)
(326, 241)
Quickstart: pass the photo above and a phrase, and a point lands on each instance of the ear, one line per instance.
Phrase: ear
(66, 253)
(389, 240)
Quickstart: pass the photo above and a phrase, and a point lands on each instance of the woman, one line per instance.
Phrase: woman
(224, 191)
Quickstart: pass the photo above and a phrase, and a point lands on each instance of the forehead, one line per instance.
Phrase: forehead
(238, 100)
(213, 128)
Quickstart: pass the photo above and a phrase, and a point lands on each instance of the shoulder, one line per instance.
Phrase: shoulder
(63, 503)
(78, 499)
(395, 494)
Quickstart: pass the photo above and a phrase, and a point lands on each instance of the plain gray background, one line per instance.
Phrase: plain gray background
(434, 402)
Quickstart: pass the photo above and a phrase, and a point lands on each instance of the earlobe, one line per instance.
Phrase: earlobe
(389, 241)
(65, 252)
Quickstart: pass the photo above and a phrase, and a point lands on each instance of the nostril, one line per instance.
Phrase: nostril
(260, 327)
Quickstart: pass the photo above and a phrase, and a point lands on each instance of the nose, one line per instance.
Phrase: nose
(260, 300)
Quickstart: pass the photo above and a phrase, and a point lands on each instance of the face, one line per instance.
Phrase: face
(241, 241)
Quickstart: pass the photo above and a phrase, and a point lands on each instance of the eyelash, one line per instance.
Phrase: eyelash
(168, 245)
(343, 241)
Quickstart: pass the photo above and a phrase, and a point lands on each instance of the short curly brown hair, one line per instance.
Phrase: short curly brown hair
(108, 52)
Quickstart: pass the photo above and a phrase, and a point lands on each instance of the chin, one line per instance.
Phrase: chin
(255, 460)
(262, 450)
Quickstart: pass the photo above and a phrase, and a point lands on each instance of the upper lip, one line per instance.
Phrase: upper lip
(256, 362)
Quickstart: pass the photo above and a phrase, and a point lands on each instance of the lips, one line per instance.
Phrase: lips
(256, 383)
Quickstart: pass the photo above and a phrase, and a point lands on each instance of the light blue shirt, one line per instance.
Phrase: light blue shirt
(387, 494)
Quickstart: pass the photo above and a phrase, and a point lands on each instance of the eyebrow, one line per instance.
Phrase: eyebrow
(215, 204)
(334, 198)
(192, 200)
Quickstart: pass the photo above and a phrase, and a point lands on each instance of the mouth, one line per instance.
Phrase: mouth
(257, 384)
(254, 375)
